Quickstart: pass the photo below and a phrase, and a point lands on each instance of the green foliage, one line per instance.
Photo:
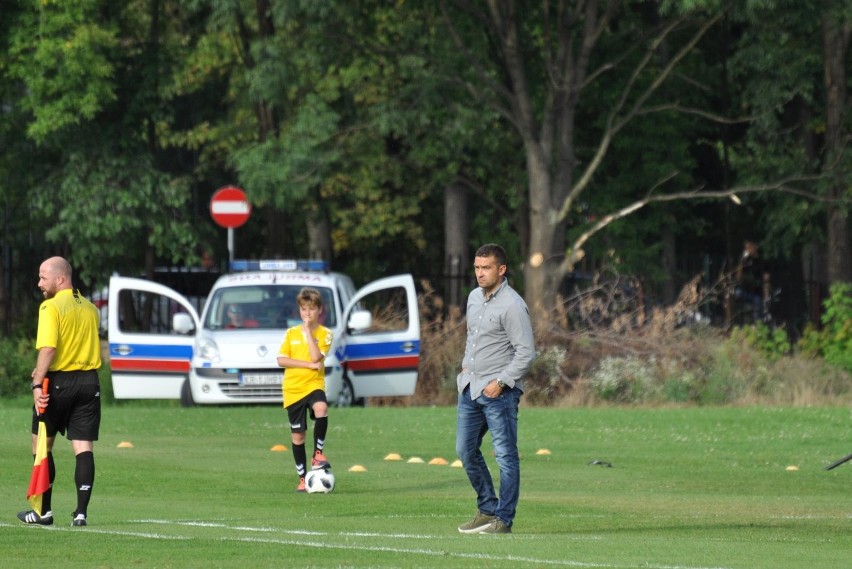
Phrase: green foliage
(114, 206)
(363, 112)
(546, 377)
(282, 171)
(105, 195)
(17, 359)
(689, 366)
(783, 89)
(623, 379)
(773, 343)
(64, 58)
(834, 341)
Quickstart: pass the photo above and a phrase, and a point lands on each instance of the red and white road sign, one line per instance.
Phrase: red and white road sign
(229, 207)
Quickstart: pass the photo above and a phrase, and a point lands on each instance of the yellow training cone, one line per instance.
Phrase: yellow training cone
(438, 460)
(357, 468)
(543, 451)
(456, 464)
(393, 456)
(792, 467)
(415, 460)
(278, 448)
(125, 444)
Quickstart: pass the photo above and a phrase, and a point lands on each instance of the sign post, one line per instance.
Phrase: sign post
(230, 208)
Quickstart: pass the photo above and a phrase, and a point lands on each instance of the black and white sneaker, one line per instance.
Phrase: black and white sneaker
(32, 518)
(79, 520)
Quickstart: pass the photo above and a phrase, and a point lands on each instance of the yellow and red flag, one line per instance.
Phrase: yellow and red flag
(40, 479)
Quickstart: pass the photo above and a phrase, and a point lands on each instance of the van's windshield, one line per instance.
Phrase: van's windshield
(262, 307)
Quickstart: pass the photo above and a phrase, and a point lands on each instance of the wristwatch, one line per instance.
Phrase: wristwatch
(35, 386)
(500, 384)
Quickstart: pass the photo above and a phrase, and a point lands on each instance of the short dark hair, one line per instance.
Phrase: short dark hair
(492, 250)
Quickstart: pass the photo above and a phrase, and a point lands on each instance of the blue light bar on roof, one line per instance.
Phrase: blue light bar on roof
(316, 265)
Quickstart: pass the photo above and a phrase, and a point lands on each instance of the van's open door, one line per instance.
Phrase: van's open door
(383, 359)
(149, 360)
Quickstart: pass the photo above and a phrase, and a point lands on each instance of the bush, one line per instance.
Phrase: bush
(547, 379)
(442, 340)
(834, 341)
(659, 360)
(772, 343)
(624, 379)
(17, 360)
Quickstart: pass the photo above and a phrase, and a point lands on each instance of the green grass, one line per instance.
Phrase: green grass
(689, 488)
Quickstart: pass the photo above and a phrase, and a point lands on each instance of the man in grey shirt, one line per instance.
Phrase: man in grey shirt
(498, 353)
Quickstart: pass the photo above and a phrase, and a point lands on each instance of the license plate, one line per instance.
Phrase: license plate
(261, 378)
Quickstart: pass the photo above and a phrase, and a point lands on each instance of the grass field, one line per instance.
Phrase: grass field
(688, 489)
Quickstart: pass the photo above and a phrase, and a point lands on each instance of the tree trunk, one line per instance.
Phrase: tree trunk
(319, 237)
(456, 244)
(815, 275)
(836, 34)
(669, 265)
(5, 279)
(542, 262)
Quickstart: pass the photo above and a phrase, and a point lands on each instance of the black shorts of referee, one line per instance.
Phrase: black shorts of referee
(74, 409)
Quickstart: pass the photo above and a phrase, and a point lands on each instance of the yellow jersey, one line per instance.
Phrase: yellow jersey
(299, 382)
(69, 323)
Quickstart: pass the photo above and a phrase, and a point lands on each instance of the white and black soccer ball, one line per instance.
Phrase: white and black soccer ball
(319, 481)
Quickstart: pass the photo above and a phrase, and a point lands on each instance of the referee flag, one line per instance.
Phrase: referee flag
(40, 479)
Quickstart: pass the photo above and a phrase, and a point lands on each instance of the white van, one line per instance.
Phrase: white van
(160, 348)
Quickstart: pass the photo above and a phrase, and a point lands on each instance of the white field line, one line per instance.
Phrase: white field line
(144, 535)
(813, 517)
(195, 523)
(349, 546)
(416, 551)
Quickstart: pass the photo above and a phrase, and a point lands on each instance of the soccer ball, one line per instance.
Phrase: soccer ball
(319, 481)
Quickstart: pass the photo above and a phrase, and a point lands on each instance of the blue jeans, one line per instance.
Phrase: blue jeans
(500, 416)
(754, 300)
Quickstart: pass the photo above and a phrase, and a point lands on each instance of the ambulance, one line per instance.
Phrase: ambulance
(160, 347)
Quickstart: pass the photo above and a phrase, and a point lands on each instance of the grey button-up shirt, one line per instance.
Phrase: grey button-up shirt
(500, 341)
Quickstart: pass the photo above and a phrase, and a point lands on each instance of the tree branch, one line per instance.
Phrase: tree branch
(576, 253)
(480, 191)
(614, 124)
(693, 111)
(473, 61)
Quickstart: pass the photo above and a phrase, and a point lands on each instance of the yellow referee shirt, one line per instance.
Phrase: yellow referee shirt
(299, 382)
(69, 323)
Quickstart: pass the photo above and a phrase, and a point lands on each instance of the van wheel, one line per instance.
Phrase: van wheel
(346, 397)
(186, 399)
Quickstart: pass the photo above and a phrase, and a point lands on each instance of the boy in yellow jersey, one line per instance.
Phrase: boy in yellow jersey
(303, 354)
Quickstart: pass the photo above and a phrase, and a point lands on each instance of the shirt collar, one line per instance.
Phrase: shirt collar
(496, 292)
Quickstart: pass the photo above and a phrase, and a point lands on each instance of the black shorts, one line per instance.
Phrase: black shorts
(297, 413)
(74, 407)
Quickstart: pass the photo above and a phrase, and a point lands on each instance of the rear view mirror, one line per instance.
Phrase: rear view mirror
(360, 320)
(182, 323)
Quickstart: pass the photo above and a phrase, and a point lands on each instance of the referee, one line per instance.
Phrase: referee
(69, 356)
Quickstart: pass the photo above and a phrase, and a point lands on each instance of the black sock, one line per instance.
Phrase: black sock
(45, 498)
(84, 478)
(320, 430)
(301, 458)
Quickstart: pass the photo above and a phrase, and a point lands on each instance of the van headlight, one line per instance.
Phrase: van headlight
(207, 350)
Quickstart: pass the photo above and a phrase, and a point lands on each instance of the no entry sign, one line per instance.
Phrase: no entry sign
(229, 207)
